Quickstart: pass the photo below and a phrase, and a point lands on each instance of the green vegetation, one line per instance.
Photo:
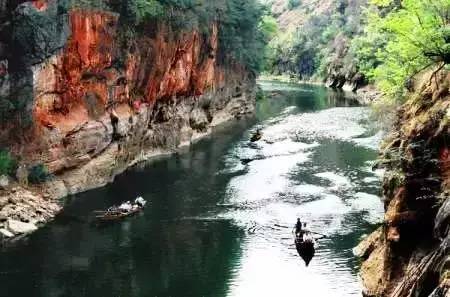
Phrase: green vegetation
(145, 9)
(7, 163)
(402, 39)
(243, 31)
(293, 4)
(383, 42)
(260, 94)
(241, 34)
(320, 43)
(38, 174)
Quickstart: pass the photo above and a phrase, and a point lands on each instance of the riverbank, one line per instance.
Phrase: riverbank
(207, 225)
(23, 210)
(96, 99)
(140, 136)
(365, 95)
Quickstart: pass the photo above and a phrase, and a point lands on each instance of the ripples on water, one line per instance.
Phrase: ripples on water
(300, 170)
(216, 227)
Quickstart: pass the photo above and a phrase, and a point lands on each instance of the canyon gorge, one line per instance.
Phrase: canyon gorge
(94, 100)
(90, 89)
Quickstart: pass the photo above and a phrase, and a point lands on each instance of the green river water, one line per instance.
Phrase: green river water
(214, 227)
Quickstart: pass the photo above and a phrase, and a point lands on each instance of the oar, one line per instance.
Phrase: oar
(325, 236)
(281, 226)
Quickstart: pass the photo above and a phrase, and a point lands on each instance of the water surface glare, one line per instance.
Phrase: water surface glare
(217, 227)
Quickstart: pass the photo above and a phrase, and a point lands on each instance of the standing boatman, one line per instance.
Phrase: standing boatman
(298, 227)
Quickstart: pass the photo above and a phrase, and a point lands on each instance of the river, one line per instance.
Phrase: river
(216, 227)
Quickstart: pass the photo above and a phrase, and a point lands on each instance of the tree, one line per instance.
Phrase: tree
(147, 9)
(38, 174)
(240, 33)
(407, 39)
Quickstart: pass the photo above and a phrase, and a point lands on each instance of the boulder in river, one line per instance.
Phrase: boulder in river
(18, 227)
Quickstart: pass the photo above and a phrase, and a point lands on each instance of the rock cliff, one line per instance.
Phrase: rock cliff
(410, 254)
(87, 97)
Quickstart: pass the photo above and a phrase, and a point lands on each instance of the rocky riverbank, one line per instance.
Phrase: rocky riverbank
(365, 95)
(409, 255)
(141, 136)
(96, 99)
(23, 210)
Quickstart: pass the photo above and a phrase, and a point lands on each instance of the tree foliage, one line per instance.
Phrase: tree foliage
(7, 163)
(38, 174)
(320, 42)
(145, 9)
(243, 32)
(402, 39)
(293, 4)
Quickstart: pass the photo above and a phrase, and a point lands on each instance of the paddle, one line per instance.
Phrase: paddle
(324, 236)
(317, 233)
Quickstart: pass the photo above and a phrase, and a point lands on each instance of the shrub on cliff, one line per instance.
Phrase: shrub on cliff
(293, 4)
(7, 163)
(138, 11)
(90, 4)
(38, 174)
(6, 109)
(401, 40)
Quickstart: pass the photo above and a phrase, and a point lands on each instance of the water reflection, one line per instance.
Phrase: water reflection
(214, 226)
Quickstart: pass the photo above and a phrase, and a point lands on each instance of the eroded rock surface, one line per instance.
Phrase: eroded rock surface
(91, 99)
(411, 257)
(21, 211)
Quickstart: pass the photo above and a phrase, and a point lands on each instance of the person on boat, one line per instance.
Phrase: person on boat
(298, 227)
(257, 136)
(126, 207)
(140, 202)
(307, 237)
(304, 232)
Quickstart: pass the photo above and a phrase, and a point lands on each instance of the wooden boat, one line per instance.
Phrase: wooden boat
(256, 137)
(306, 247)
(116, 213)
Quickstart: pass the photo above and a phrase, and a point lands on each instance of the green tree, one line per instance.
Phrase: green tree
(147, 9)
(407, 39)
(38, 174)
(240, 34)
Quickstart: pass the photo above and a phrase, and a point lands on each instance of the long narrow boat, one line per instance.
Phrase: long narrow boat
(256, 136)
(306, 247)
(115, 215)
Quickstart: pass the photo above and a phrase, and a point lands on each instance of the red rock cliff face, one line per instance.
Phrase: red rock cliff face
(102, 99)
(86, 79)
(106, 89)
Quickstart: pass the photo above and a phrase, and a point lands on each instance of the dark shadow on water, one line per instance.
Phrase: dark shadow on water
(174, 248)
